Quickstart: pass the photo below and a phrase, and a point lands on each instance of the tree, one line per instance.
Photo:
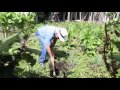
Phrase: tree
(68, 17)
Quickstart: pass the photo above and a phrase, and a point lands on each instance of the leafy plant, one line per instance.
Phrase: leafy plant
(79, 51)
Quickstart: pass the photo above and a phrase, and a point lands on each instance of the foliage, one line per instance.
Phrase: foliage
(10, 21)
(79, 51)
(113, 29)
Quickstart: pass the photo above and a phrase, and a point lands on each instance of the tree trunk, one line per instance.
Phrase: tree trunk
(90, 16)
(75, 15)
(80, 16)
(117, 16)
(99, 18)
(71, 15)
(104, 17)
(107, 18)
(85, 16)
(64, 16)
(94, 17)
(68, 16)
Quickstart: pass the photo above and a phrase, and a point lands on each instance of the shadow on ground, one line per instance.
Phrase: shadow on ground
(13, 60)
(61, 54)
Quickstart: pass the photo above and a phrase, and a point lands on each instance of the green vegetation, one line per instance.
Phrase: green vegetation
(81, 51)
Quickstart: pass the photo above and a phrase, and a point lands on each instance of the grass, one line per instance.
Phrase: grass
(84, 64)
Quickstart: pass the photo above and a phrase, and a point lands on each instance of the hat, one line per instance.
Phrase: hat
(62, 34)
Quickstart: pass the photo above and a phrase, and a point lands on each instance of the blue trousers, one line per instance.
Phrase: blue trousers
(43, 48)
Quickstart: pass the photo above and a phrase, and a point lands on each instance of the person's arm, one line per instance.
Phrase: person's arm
(53, 42)
(52, 46)
(49, 50)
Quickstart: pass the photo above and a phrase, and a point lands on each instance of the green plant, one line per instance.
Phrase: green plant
(79, 51)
